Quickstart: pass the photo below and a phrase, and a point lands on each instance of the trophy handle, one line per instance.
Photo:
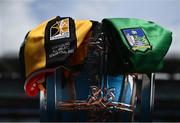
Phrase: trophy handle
(147, 96)
(48, 100)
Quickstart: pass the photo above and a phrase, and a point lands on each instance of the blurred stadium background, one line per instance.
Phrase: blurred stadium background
(17, 17)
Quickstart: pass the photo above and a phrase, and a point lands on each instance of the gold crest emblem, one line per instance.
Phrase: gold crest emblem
(60, 29)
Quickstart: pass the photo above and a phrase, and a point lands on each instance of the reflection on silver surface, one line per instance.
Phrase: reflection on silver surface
(96, 106)
(96, 101)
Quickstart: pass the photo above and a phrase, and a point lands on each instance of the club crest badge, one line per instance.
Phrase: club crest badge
(136, 39)
(60, 30)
